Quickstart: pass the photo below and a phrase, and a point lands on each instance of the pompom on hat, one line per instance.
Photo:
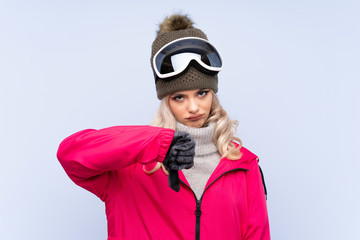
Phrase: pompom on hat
(174, 27)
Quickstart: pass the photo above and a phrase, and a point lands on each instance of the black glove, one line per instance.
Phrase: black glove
(179, 156)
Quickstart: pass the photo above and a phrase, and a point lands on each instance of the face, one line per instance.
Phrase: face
(191, 107)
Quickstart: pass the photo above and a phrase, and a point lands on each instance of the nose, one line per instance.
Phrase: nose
(193, 106)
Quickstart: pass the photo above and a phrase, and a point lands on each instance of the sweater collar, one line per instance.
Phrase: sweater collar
(204, 137)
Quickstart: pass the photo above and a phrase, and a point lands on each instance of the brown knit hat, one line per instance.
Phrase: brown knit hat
(174, 27)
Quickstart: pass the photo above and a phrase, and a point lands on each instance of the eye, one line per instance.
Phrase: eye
(177, 98)
(202, 93)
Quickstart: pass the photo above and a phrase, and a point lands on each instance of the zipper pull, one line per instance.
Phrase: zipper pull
(198, 211)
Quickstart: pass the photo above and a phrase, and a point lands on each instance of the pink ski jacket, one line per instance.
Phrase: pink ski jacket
(109, 163)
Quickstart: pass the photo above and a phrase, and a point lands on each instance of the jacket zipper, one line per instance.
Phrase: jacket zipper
(198, 211)
(197, 216)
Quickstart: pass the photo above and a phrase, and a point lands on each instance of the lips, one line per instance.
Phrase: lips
(195, 117)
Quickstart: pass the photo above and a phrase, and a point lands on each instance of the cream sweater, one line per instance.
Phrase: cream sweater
(207, 156)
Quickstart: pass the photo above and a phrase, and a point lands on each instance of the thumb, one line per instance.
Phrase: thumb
(174, 181)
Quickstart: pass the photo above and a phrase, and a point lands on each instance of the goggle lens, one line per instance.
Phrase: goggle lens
(174, 57)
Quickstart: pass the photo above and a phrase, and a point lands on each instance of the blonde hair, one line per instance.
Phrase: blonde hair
(227, 144)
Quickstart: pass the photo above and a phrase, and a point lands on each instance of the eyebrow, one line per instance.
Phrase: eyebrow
(177, 95)
(181, 94)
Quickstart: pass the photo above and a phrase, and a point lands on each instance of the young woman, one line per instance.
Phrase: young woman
(184, 177)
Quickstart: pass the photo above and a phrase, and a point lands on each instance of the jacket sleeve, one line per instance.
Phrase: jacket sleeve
(258, 222)
(89, 155)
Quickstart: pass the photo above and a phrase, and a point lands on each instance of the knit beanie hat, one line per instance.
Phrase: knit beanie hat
(174, 27)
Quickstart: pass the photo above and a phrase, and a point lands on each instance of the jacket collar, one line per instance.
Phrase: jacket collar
(227, 165)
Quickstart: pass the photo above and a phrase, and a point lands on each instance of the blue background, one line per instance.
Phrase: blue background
(291, 78)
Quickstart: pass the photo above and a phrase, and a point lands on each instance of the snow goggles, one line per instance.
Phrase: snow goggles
(174, 58)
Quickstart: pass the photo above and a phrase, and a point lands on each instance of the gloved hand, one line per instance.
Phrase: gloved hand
(179, 156)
